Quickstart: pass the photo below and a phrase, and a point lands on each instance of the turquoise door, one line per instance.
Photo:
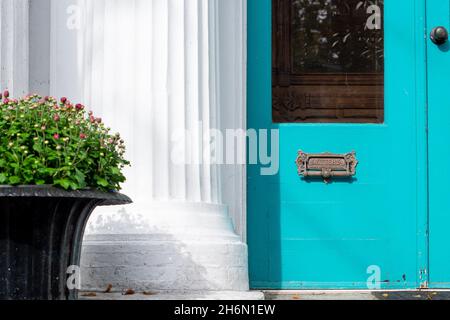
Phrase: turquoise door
(350, 76)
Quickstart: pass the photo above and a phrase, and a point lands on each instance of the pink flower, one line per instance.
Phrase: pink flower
(56, 136)
(6, 101)
(82, 136)
(6, 94)
(79, 106)
(63, 100)
(92, 119)
(56, 118)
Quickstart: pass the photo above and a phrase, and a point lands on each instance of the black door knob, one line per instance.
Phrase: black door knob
(439, 35)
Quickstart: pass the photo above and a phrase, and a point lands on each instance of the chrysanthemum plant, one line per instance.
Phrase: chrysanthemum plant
(49, 142)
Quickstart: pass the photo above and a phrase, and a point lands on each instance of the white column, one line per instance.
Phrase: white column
(155, 79)
(231, 42)
(14, 46)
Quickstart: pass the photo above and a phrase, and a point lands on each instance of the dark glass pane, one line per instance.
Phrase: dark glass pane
(328, 61)
(332, 36)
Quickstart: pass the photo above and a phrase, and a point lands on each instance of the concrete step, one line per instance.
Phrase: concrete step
(197, 295)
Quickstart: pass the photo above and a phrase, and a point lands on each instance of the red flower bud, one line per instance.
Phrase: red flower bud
(56, 136)
(92, 119)
(6, 101)
(56, 118)
(79, 106)
(63, 100)
(6, 94)
(98, 120)
(82, 136)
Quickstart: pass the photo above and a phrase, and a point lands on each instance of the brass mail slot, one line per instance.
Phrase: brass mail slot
(326, 165)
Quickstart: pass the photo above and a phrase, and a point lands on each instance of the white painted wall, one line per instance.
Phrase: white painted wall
(14, 55)
(39, 47)
(65, 49)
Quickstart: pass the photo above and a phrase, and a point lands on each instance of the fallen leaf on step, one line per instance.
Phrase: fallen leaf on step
(108, 288)
(128, 292)
(89, 294)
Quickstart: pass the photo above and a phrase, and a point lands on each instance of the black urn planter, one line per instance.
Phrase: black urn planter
(41, 231)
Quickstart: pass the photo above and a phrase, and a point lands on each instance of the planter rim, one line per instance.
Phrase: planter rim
(45, 191)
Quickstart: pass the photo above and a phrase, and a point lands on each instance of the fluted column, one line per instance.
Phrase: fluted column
(159, 87)
(183, 99)
(14, 46)
(152, 85)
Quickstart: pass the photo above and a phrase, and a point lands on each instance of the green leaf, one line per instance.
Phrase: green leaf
(80, 177)
(37, 147)
(102, 182)
(74, 185)
(15, 165)
(14, 180)
(65, 183)
(3, 178)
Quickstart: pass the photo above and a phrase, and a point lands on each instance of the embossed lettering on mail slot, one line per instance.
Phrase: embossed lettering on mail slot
(319, 163)
(326, 165)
